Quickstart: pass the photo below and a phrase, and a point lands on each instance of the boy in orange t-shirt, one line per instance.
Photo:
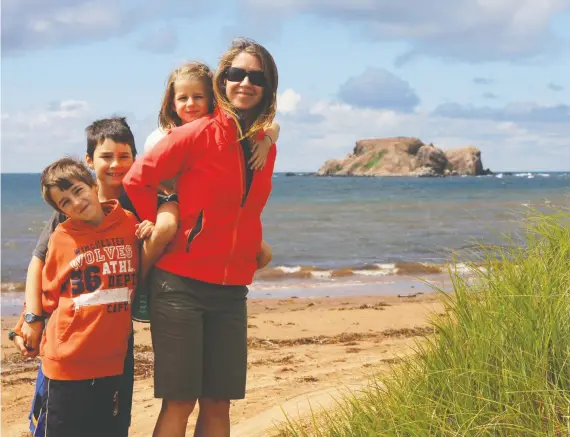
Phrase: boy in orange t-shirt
(88, 283)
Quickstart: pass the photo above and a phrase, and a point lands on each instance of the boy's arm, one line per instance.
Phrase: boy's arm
(18, 340)
(34, 286)
(32, 332)
(28, 335)
(49, 286)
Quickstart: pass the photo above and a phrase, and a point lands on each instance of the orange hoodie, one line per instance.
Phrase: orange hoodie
(88, 283)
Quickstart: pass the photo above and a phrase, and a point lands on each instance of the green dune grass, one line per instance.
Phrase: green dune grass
(499, 363)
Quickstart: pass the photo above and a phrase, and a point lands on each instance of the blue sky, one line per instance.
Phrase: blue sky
(489, 73)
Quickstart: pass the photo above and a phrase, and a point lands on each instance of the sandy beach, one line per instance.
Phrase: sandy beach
(301, 352)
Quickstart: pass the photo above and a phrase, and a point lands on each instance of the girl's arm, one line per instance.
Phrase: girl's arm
(261, 147)
(272, 132)
(164, 161)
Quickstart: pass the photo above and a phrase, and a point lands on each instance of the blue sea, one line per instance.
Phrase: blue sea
(345, 229)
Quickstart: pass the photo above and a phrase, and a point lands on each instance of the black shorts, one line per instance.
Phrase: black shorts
(39, 403)
(199, 336)
(86, 408)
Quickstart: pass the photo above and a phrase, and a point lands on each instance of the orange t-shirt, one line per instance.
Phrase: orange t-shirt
(88, 283)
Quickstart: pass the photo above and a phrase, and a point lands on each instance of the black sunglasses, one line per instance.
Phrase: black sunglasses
(236, 74)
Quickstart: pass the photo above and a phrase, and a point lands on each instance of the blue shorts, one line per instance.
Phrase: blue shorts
(37, 414)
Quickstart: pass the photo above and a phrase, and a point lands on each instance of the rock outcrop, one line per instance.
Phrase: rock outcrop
(466, 160)
(403, 156)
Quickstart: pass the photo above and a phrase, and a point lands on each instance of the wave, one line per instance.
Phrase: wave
(13, 286)
(311, 272)
(529, 175)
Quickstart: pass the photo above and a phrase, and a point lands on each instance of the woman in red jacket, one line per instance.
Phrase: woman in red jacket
(199, 286)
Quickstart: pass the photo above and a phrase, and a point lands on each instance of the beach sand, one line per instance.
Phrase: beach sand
(301, 353)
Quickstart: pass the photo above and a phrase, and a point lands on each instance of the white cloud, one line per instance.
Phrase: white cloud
(525, 112)
(505, 145)
(379, 88)
(471, 30)
(555, 87)
(482, 81)
(36, 119)
(34, 137)
(310, 134)
(288, 101)
(29, 25)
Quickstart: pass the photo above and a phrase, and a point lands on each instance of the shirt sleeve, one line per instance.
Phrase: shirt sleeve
(153, 139)
(42, 244)
(51, 283)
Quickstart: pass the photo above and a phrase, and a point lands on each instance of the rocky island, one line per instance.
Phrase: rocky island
(404, 156)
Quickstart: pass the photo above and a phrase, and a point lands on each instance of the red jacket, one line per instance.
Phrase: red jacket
(88, 281)
(220, 228)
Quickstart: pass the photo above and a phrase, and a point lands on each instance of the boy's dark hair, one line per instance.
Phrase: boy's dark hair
(62, 174)
(115, 129)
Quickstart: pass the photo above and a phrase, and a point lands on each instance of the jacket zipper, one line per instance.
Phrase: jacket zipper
(195, 230)
(243, 199)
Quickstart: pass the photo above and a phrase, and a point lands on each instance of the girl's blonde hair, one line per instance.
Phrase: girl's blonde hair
(264, 112)
(167, 117)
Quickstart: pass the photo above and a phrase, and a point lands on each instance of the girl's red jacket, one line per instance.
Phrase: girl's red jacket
(220, 229)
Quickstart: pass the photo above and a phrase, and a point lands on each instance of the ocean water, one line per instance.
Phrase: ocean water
(348, 230)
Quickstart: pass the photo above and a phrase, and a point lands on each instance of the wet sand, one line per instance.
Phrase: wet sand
(301, 352)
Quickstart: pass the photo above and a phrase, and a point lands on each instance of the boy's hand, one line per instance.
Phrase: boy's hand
(144, 230)
(260, 150)
(264, 256)
(27, 352)
(31, 335)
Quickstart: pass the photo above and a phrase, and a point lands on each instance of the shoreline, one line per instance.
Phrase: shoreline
(298, 347)
(282, 273)
(285, 287)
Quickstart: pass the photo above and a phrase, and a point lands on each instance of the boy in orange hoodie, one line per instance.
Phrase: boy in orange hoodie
(88, 281)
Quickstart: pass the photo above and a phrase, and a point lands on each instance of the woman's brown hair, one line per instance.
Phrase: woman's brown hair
(264, 112)
(167, 117)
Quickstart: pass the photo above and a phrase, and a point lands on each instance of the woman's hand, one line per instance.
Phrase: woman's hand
(144, 230)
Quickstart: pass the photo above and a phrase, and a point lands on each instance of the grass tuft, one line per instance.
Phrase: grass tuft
(499, 363)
